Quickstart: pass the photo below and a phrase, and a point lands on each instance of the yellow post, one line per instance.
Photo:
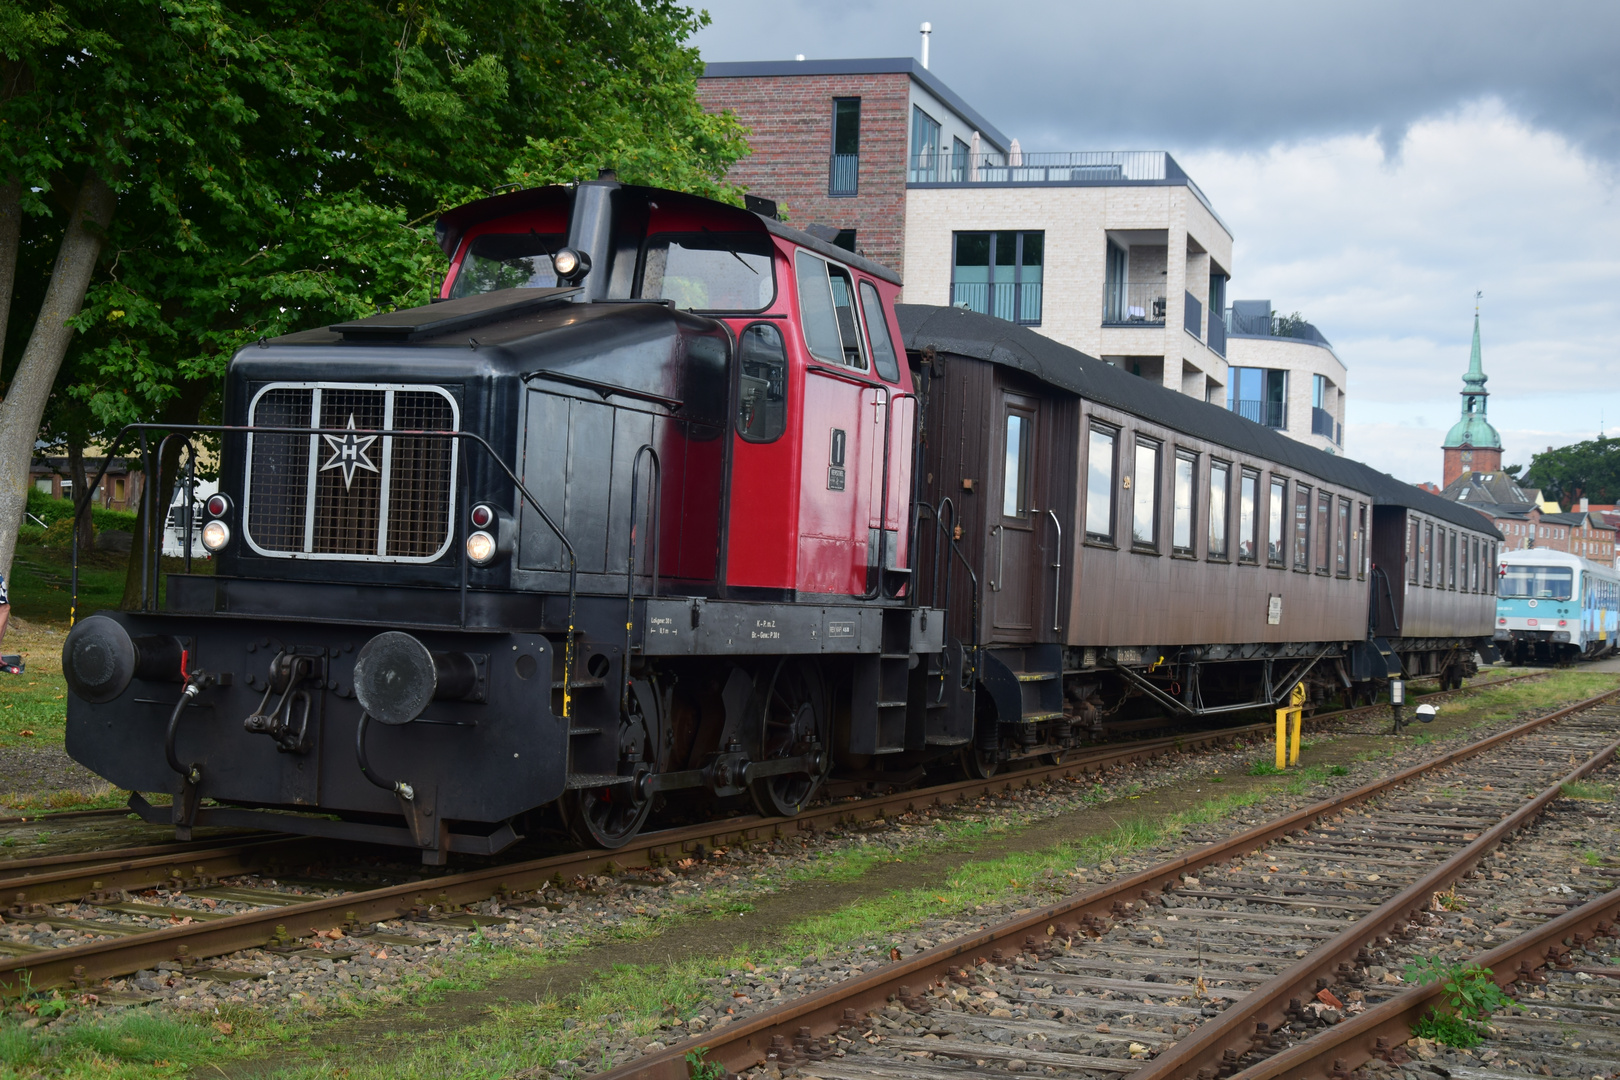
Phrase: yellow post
(1297, 701)
(1282, 738)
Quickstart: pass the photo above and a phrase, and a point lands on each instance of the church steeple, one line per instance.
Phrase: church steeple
(1472, 444)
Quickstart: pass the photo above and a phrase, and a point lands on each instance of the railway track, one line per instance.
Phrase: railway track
(1200, 967)
(122, 932)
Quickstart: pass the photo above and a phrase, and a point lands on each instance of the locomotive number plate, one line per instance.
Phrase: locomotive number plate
(835, 478)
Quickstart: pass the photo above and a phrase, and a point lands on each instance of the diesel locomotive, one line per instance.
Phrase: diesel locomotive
(663, 498)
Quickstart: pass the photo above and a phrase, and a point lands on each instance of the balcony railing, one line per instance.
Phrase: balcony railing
(1192, 315)
(1217, 333)
(843, 174)
(1273, 414)
(1323, 424)
(1071, 167)
(1134, 303)
(1273, 326)
(1018, 302)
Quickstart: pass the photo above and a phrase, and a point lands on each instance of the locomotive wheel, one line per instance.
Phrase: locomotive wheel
(604, 817)
(795, 723)
(978, 764)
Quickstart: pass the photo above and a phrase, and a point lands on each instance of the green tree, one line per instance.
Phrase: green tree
(1589, 470)
(241, 171)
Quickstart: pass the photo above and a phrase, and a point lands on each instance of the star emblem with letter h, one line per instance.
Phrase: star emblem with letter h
(349, 453)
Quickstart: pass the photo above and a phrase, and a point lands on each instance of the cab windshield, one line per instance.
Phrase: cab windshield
(1538, 583)
(507, 261)
(710, 271)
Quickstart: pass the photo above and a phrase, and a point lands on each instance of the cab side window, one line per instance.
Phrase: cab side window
(877, 332)
(849, 331)
(816, 312)
(762, 383)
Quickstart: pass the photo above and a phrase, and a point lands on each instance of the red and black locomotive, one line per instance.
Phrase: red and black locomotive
(663, 498)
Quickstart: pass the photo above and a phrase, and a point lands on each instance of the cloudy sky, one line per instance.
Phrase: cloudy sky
(1377, 162)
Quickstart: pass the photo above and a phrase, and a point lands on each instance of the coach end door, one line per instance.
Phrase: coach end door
(1017, 574)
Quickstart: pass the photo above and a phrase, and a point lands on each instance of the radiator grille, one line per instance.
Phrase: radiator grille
(359, 496)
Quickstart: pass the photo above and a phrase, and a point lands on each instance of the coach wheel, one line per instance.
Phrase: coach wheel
(794, 724)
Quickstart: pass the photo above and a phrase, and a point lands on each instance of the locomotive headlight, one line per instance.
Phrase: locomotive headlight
(215, 535)
(481, 548)
(217, 505)
(570, 265)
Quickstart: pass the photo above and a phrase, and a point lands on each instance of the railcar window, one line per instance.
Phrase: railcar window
(849, 333)
(1220, 474)
(1276, 543)
(1342, 559)
(1100, 485)
(1413, 555)
(762, 383)
(1145, 518)
(710, 271)
(1181, 533)
(1451, 559)
(1302, 528)
(1439, 556)
(507, 261)
(1248, 521)
(877, 332)
(1493, 557)
(1428, 554)
(1361, 541)
(1015, 475)
(1538, 582)
(1324, 530)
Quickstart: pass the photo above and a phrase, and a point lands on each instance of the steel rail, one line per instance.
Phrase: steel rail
(141, 868)
(745, 1043)
(102, 959)
(1337, 1051)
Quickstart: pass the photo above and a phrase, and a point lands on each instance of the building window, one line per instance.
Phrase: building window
(961, 167)
(1259, 394)
(999, 273)
(1324, 531)
(1181, 533)
(1342, 559)
(1219, 478)
(924, 148)
(1100, 485)
(1248, 519)
(1302, 528)
(1276, 544)
(1145, 516)
(844, 172)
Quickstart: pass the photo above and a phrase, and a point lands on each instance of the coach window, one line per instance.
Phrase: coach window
(1324, 531)
(1361, 541)
(1248, 520)
(1428, 554)
(1302, 528)
(1473, 568)
(1015, 475)
(761, 383)
(1413, 555)
(1145, 515)
(1276, 541)
(1341, 560)
(1100, 484)
(1220, 474)
(1451, 559)
(1181, 531)
(877, 332)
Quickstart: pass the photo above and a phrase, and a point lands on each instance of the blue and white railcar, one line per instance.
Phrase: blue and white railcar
(1552, 607)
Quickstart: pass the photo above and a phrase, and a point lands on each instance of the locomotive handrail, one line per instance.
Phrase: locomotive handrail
(655, 501)
(248, 429)
(889, 398)
(605, 389)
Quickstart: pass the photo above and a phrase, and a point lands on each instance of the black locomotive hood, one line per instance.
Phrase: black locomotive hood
(638, 350)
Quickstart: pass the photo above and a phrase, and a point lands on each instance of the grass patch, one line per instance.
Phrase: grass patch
(1586, 789)
(1264, 768)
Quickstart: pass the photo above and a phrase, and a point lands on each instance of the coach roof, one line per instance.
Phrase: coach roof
(983, 337)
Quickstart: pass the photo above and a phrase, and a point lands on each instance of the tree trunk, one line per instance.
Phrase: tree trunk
(10, 241)
(182, 410)
(30, 389)
(81, 498)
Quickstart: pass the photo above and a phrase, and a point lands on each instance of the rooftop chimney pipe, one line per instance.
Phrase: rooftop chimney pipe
(927, 28)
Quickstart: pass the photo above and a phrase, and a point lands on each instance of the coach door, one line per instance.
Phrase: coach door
(1017, 573)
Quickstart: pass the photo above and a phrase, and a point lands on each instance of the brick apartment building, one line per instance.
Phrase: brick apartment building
(1115, 253)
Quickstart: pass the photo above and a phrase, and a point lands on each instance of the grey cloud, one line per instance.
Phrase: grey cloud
(1181, 74)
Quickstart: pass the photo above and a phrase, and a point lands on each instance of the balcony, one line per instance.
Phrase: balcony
(1273, 414)
(1102, 168)
(1134, 303)
(1015, 302)
(1323, 424)
(843, 174)
(1241, 323)
(1192, 315)
(1217, 333)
